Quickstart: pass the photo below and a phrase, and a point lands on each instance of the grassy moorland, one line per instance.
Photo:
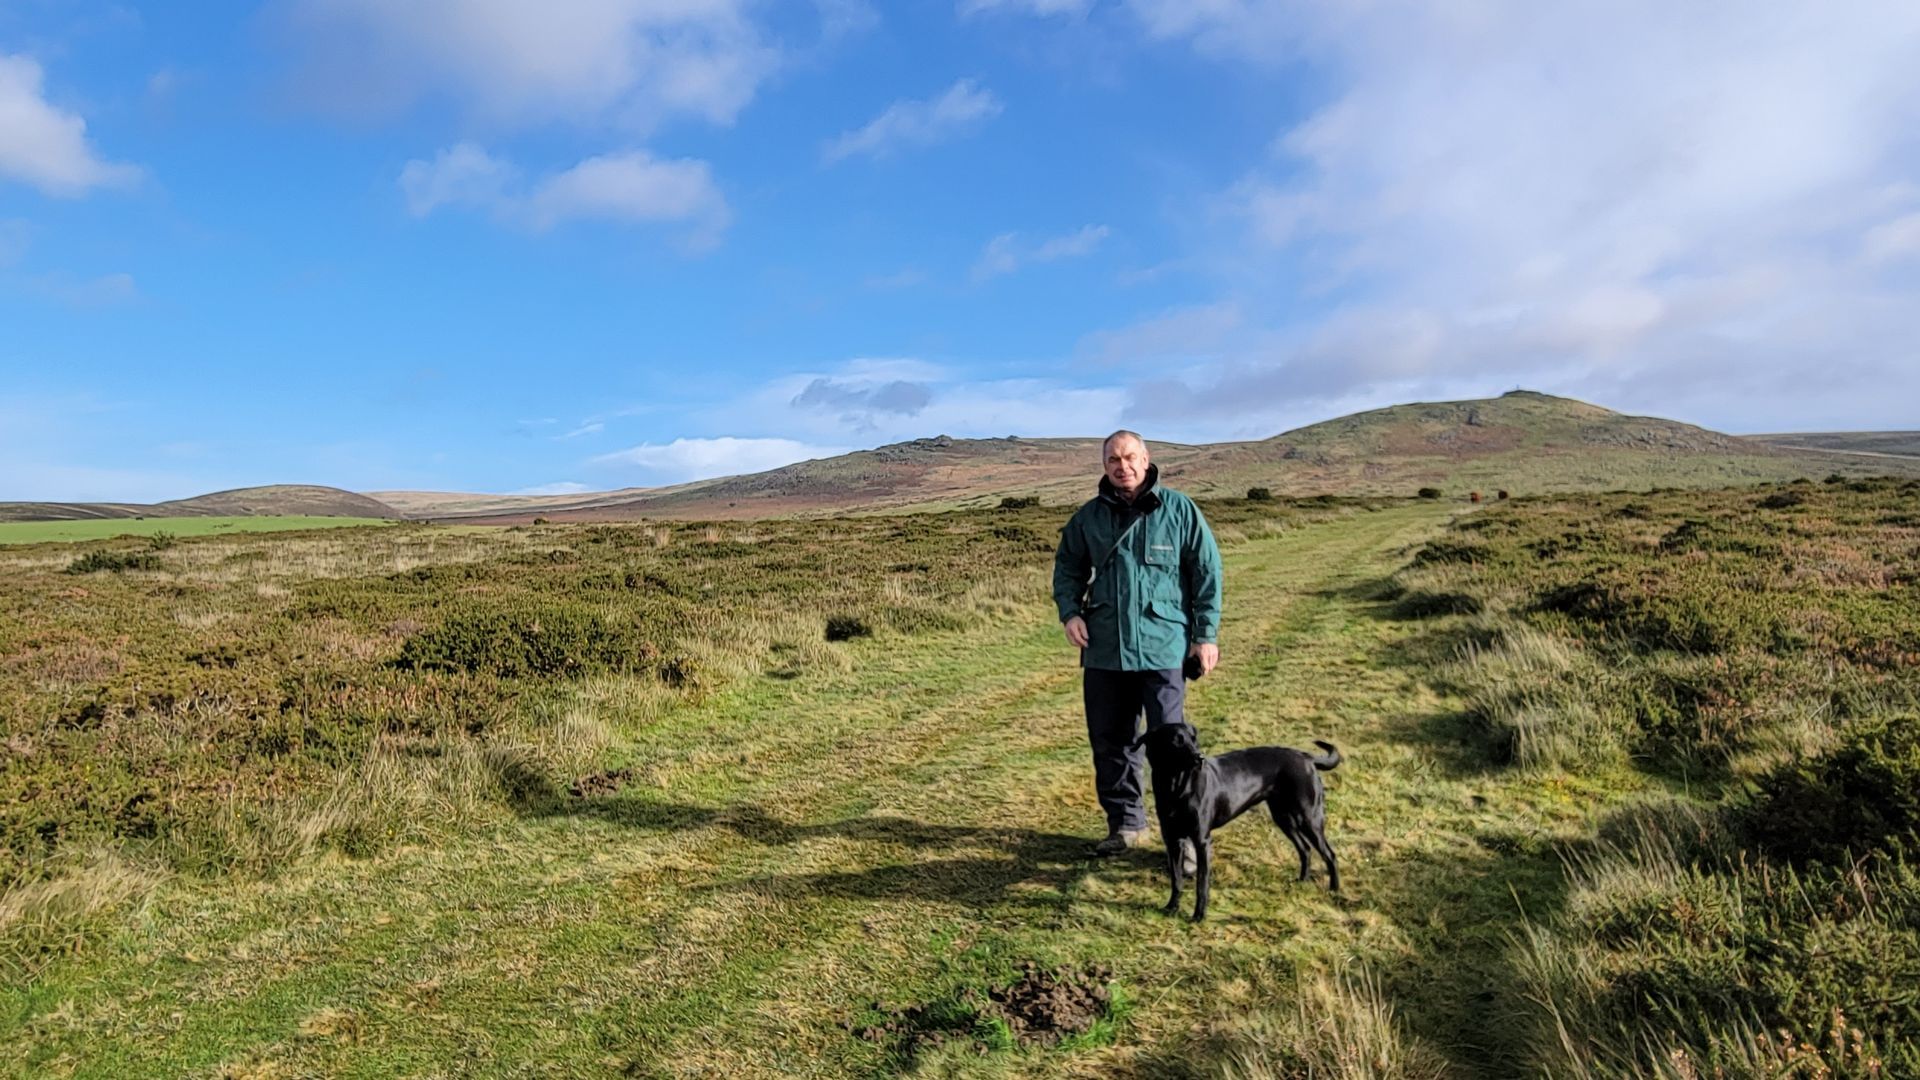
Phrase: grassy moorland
(41, 532)
(608, 801)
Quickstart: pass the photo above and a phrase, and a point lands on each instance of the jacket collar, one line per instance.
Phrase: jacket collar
(1147, 499)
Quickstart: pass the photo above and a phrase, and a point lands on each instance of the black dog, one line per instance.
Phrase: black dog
(1194, 794)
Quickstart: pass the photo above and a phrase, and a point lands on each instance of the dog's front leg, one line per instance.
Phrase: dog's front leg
(1203, 875)
(1173, 870)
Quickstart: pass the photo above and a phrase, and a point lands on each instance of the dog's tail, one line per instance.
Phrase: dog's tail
(1330, 759)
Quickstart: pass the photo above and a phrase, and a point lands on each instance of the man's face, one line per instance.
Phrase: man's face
(1127, 464)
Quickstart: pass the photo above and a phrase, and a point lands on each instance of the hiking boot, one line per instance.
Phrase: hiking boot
(1120, 840)
(1189, 865)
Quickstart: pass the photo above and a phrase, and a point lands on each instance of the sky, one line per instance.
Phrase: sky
(488, 245)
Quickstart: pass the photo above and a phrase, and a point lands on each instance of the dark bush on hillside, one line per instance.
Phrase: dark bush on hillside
(1861, 798)
(114, 562)
(513, 645)
(847, 627)
(1782, 500)
(1429, 493)
(684, 671)
(161, 541)
(1450, 552)
(1427, 604)
(1259, 494)
(1023, 536)
(1019, 502)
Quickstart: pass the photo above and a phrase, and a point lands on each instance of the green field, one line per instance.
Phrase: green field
(40, 532)
(605, 801)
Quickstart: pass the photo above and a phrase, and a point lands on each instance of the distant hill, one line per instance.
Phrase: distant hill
(1895, 443)
(274, 500)
(1523, 442)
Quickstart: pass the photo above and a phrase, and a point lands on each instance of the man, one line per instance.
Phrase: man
(1137, 582)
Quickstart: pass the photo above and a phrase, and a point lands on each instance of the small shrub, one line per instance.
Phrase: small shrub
(847, 627)
(1259, 494)
(161, 541)
(541, 521)
(1428, 603)
(1448, 552)
(1429, 493)
(1502, 494)
(1019, 502)
(1862, 797)
(1781, 500)
(515, 645)
(113, 562)
(683, 671)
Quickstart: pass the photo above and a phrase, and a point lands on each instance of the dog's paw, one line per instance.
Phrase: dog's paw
(1171, 909)
(1199, 916)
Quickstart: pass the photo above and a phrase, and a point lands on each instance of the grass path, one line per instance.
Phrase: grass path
(790, 852)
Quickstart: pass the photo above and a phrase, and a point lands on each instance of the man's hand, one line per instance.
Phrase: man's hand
(1209, 654)
(1076, 628)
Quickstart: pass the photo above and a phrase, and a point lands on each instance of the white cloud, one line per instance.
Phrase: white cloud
(107, 290)
(461, 175)
(1187, 333)
(907, 123)
(870, 401)
(631, 62)
(1031, 7)
(698, 458)
(1005, 254)
(1896, 239)
(562, 487)
(591, 428)
(1704, 209)
(631, 187)
(905, 278)
(45, 146)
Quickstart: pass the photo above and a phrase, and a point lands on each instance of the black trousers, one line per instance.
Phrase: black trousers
(1115, 700)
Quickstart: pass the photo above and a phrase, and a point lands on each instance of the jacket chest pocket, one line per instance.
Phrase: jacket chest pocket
(1161, 550)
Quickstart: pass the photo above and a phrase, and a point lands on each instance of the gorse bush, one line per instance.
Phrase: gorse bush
(1671, 960)
(1768, 639)
(542, 642)
(94, 562)
(847, 627)
(1861, 798)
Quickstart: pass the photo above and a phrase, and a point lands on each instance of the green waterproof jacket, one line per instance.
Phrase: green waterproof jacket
(1159, 590)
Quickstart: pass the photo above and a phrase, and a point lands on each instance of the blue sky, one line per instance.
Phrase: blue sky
(489, 245)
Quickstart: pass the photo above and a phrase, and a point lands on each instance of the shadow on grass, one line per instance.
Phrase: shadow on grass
(1035, 869)
(1454, 989)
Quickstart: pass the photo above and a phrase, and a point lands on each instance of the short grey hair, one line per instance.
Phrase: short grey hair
(1123, 433)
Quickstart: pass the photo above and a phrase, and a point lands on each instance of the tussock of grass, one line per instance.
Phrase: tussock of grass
(1344, 1029)
(1678, 955)
(1539, 700)
(43, 920)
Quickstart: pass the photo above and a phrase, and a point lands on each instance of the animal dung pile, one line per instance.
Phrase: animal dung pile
(1040, 1008)
(601, 783)
(1046, 1006)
